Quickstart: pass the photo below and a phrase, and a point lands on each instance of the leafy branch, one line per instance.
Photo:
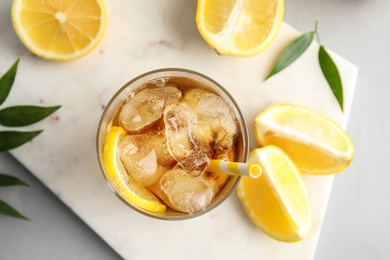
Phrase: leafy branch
(16, 116)
(329, 69)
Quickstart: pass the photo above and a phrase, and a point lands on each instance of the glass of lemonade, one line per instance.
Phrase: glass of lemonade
(157, 135)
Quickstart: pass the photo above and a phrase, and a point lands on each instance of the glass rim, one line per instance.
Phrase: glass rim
(188, 72)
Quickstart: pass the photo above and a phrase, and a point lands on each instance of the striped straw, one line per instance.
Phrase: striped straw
(235, 168)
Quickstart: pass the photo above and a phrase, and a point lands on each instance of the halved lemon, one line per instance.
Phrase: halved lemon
(239, 27)
(131, 192)
(276, 202)
(316, 144)
(59, 30)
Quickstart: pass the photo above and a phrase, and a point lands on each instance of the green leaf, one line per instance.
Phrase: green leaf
(7, 80)
(332, 75)
(24, 115)
(13, 139)
(292, 52)
(7, 210)
(7, 180)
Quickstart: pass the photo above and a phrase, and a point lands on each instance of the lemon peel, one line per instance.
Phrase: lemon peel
(127, 189)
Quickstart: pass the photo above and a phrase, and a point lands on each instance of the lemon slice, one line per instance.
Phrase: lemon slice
(316, 144)
(239, 27)
(131, 192)
(276, 202)
(59, 30)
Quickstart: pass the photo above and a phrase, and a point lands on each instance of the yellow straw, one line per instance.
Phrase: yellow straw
(235, 168)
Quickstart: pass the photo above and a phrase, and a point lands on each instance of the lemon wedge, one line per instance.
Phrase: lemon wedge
(316, 144)
(59, 30)
(276, 202)
(131, 192)
(239, 27)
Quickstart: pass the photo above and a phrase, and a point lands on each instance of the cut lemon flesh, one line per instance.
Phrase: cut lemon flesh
(59, 30)
(316, 144)
(276, 202)
(131, 192)
(239, 27)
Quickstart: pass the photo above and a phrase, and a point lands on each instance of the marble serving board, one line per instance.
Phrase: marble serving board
(142, 36)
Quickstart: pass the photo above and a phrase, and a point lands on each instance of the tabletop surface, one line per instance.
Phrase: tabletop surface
(355, 225)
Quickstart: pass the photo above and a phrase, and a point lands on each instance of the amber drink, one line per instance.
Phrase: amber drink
(173, 121)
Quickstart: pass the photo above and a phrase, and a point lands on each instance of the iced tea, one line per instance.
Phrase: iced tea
(175, 122)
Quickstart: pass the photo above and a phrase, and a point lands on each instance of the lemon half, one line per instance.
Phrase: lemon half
(59, 30)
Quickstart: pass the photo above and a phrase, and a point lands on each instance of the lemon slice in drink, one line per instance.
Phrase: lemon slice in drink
(316, 144)
(59, 30)
(239, 27)
(133, 193)
(276, 202)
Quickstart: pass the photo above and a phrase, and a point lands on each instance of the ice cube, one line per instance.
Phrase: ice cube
(191, 153)
(203, 132)
(177, 119)
(197, 161)
(146, 107)
(192, 96)
(145, 157)
(214, 118)
(212, 110)
(186, 193)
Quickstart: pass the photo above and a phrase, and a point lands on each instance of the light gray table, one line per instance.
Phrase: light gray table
(357, 220)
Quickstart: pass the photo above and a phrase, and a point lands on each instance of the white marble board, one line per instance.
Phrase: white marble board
(141, 36)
